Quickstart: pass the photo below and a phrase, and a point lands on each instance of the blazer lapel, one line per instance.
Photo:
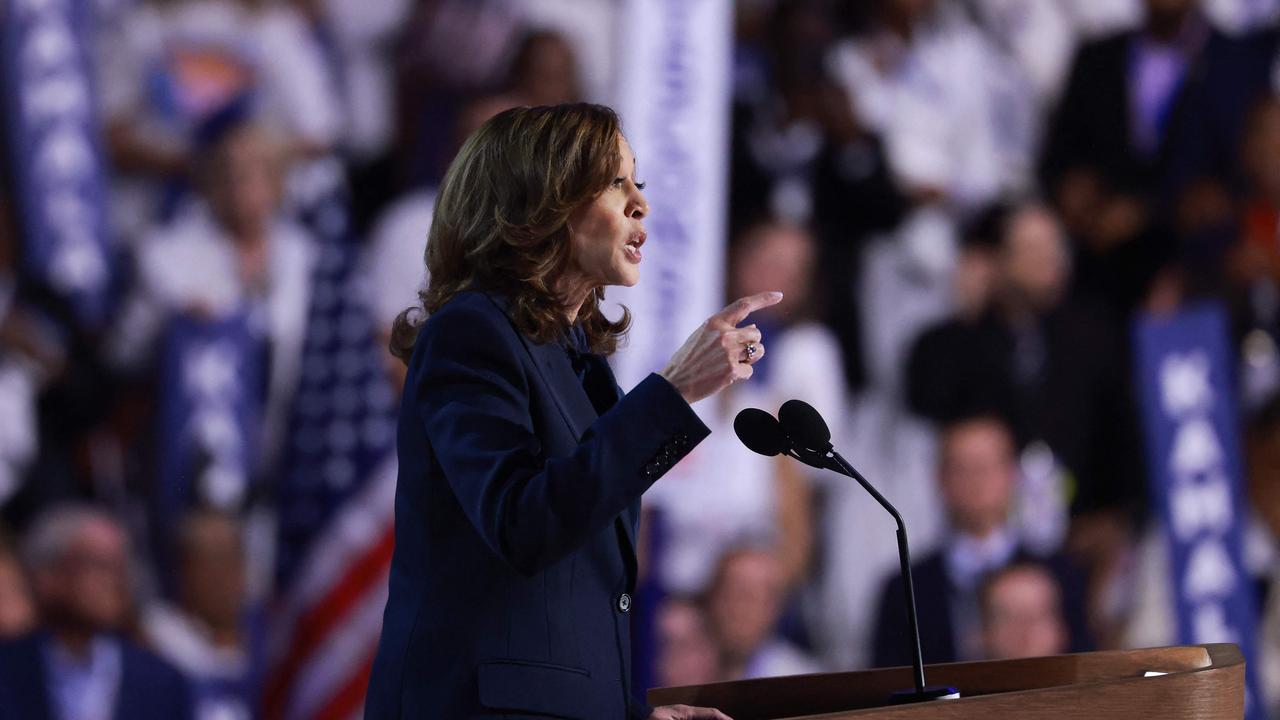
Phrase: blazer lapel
(571, 400)
(553, 366)
(566, 390)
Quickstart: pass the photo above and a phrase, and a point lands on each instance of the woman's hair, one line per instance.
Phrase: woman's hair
(501, 220)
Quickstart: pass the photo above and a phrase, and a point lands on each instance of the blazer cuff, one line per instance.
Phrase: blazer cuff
(677, 424)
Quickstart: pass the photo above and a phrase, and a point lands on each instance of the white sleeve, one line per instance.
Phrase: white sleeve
(297, 78)
(809, 367)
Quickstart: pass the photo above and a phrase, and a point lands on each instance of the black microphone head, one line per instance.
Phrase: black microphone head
(804, 425)
(760, 432)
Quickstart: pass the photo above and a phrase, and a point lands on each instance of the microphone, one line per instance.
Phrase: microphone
(801, 433)
(763, 434)
(804, 425)
(760, 432)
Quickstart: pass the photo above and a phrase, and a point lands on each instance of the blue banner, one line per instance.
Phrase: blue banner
(212, 392)
(1196, 470)
(56, 151)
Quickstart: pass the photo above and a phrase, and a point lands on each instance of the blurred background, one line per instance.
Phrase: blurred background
(1032, 274)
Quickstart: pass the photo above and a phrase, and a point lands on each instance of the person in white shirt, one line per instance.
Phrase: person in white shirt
(203, 632)
(769, 497)
(231, 251)
(166, 67)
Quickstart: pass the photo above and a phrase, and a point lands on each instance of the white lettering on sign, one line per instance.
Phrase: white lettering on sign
(1197, 507)
(1196, 449)
(1184, 384)
(1210, 572)
(1209, 623)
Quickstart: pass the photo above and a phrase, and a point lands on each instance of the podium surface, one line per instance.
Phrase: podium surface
(1201, 681)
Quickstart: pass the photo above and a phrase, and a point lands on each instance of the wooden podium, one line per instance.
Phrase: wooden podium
(1202, 682)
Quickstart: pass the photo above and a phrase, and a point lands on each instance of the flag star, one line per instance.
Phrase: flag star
(378, 393)
(317, 369)
(354, 326)
(321, 334)
(346, 400)
(350, 363)
(342, 436)
(339, 473)
(378, 432)
(308, 442)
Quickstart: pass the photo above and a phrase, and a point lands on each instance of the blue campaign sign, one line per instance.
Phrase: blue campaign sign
(211, 401)
(1187, 385)
(56, 150)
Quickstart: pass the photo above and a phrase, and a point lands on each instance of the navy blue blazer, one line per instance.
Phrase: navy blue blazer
(150, 688)
(515, 516)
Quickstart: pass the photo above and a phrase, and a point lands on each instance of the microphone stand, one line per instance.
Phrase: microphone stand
(832, 460)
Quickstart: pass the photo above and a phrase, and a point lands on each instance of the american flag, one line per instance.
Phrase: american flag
(335, 505)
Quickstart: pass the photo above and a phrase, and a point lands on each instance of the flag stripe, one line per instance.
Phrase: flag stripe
(314, 625)
(332, 664)
(348, 699)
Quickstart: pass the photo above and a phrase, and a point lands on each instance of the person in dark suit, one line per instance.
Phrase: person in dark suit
(521, 460)
(976, 476)
(77, 665)
(1145, 113)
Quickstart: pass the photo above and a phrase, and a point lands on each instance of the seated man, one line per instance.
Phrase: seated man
(204, 632)
(687, 654)
(78, 666)
(744, 604)
(977, 476)
(17, 611)
(1021, 608)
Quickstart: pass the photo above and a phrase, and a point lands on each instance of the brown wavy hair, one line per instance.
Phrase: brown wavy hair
(501, 220)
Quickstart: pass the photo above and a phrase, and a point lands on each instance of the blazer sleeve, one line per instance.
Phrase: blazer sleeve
(473, 396)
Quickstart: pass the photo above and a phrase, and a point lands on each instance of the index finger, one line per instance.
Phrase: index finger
(738, 310)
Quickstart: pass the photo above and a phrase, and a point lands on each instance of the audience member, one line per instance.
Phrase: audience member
(174, 64)
(1252, 267)
(231, 251)
(393, 255)
(1021, 606)
(79, 665)
(1043, 361)
(204, 634)
(1129, 135)
(544, 71)
(771, 496)
(926, 78)
(744, 603)
(17, 609)
(977, 479)
(687, 654)
(800, 154)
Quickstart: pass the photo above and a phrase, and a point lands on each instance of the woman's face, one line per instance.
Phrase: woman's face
(605, 234)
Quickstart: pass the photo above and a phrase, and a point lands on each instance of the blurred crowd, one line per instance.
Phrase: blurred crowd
(965, 202)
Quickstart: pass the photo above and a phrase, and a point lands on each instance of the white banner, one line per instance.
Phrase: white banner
(674, 85)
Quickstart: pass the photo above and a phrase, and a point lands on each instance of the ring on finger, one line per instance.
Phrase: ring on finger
(751, 350)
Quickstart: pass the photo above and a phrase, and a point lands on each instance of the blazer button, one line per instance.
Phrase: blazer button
(624, 602)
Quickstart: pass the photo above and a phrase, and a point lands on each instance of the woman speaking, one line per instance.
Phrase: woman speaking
(521, 461)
